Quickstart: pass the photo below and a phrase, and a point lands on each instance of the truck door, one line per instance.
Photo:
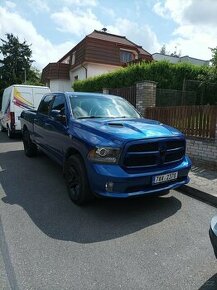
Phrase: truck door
(40, 121)
(56, 128)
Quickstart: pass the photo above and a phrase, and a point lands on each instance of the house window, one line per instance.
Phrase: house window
(126, 56)
(75, 78)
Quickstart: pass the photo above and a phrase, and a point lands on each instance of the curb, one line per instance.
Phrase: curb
(199, 194)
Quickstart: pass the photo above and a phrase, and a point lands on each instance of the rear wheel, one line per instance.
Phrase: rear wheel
(2, 128)
(77, 181)
(30, 148)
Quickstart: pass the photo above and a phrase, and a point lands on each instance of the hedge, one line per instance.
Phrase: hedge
(167, 75)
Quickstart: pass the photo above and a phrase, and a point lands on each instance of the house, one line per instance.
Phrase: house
(175, 59)
(99, 52)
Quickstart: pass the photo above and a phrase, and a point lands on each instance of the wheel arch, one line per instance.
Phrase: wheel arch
(71, 151)
(24, 128)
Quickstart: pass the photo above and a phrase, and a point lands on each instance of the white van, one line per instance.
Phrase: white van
(17, 98)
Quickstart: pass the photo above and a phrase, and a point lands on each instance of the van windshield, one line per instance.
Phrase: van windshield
(90, 106)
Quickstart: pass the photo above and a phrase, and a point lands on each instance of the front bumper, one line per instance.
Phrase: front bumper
(134, 184)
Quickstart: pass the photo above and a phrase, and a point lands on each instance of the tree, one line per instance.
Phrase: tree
(163, 50)
(175, 53)
(15, 67)
(214, 57)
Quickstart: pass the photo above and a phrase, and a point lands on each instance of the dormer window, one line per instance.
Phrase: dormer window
(126, 56)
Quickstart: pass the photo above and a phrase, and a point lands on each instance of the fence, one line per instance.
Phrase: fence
(168, 97)
(194, 121)
(129, 93)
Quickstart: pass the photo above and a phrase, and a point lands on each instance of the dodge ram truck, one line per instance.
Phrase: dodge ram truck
(105, 147)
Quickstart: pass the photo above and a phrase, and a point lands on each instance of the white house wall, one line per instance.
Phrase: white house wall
(92, 70)
(78, 72)
(60, 85)
(98, 69)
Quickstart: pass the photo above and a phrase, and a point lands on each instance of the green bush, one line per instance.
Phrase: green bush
(167, 75)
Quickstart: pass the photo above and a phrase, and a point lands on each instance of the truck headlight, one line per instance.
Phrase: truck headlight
(104, 155)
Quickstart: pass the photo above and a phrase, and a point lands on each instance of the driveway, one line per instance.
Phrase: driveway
(47, 242)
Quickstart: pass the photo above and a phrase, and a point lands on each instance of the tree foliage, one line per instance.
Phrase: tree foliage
(167, 75)
(214, 57)
(16, 65)
(163, 50)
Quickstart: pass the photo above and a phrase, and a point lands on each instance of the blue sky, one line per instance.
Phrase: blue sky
(54, 27)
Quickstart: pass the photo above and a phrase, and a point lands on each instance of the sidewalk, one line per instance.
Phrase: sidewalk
(203, 185)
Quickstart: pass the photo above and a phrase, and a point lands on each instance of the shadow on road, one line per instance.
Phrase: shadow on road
(37, 185)
(210, 284)
(4, 138)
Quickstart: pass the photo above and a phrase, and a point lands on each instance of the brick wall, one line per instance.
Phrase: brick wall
(203, 152)
(145, 95)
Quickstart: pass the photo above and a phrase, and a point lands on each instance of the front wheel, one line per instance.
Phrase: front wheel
(30, 148)
(77, 181)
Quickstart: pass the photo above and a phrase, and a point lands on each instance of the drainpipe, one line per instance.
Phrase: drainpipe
(85, 70)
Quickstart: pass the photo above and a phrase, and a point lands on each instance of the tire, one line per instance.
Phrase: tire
(77, 181)
(2, 128)
(30, 148)
(11, 135)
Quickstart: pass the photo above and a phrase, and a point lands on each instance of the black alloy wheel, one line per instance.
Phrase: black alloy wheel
(77, 181)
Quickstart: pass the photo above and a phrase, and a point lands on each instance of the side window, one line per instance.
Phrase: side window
(44, 107)
(59, 104)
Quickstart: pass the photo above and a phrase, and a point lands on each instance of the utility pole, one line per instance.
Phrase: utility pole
(24, 76)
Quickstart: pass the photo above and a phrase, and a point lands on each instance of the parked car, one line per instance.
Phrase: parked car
(213, 234)
(15, 99)
(105, 147)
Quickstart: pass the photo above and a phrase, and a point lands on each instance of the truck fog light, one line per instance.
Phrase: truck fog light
(109, 186)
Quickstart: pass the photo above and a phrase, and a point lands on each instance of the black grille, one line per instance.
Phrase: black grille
(149, 154)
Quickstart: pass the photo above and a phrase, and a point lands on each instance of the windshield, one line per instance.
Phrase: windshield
(90, 106)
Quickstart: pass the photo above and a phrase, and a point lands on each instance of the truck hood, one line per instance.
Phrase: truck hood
(128, 129)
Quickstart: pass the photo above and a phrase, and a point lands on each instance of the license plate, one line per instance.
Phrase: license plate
(165, 177)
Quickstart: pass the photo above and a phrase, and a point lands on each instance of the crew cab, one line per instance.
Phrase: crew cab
(105, 147)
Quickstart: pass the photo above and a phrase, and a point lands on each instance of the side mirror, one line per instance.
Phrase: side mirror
(58, 116)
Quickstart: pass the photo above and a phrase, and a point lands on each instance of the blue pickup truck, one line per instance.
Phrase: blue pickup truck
(105, 147)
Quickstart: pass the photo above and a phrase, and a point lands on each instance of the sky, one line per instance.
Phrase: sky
(188, 27)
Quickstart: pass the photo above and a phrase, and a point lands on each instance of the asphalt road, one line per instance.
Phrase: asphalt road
(47, 242)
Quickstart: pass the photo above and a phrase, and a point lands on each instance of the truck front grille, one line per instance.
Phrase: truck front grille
(154, 153)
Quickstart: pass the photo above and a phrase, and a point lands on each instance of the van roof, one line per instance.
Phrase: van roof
(31, 86)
